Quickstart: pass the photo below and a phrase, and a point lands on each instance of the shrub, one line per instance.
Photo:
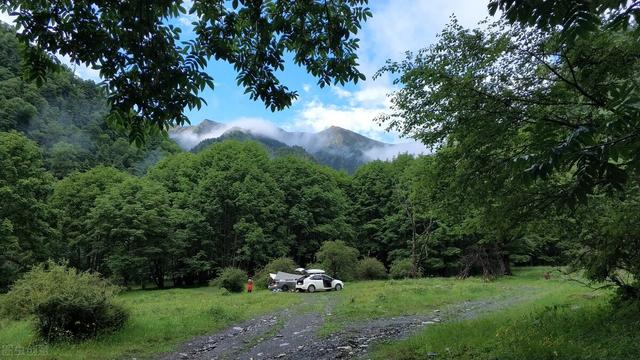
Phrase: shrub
(402, 269)
(68, 319)
(371, 269)
(67, 304)
(280, 264)
(338, 258)
(232, 279)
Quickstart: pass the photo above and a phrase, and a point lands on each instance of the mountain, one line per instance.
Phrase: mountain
(66, 118)
(275, 147)
(336, 147)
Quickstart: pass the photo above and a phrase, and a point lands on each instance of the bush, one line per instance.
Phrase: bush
(232, 279)
(401, 269)
(67, 304)
(280, 264)
(338, 258)
(67, 319)
(371, 269)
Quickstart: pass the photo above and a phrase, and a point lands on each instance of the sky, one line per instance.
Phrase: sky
(397, 26)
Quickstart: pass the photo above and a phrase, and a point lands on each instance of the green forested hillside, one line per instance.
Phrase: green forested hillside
(66, 118)
(275, 147)
(230, 204)
(460, 211)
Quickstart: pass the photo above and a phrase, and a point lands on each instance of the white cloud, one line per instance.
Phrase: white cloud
(316, 116)
(81, 70)
(407, 25)
(306, 87)
(6, 18)
(397, 26)
(341, 92)
(390, 152)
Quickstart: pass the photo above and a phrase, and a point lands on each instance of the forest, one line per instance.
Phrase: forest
(532, 125)
(156, 213)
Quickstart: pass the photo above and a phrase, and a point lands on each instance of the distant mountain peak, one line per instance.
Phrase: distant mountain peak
(334, 146)
(335, 135)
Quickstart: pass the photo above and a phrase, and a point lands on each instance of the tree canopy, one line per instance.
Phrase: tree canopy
(152, 73)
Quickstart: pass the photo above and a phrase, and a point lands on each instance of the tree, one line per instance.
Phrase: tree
(539, 105)
(138, 51)
(371, 192)
(132, 222)
(66, 118)
(576, 17)
(608, 232)
(338, 258)
(197, 254)
(316, 207)
(242, 204)
(65, 158)
(74, 198)
(24, 214)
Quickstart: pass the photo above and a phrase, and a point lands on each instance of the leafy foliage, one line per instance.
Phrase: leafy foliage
(66, 303)
(338, 259)
(401, 269)
(138, 52)
(576, 17)
(66, 117)
(24, 215)
(134, 219)
(232, 279)
(370, 268)
(530, 121)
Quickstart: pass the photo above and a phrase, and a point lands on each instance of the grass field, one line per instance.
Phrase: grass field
(160, 320)
(578, 324)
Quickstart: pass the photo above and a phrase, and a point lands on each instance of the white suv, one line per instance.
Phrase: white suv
(318, 281)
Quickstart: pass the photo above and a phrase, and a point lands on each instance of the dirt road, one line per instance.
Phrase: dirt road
(292, 333)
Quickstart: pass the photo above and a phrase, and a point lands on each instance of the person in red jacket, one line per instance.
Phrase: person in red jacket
(250, 285)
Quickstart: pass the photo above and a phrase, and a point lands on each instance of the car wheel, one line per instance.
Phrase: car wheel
(338, 287)
(311, 288)
(285, 288)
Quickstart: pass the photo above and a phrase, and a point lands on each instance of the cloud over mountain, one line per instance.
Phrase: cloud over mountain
(333, 146)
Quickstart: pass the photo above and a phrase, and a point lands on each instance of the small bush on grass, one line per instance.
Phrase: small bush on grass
(402, 269)
(232, 279)
(338, 259)
(68, 319)
(261, 280)
(68, 305)
(371, 269)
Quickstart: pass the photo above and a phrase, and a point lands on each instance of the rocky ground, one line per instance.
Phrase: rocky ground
(292, 333)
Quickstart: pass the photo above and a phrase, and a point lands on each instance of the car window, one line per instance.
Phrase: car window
(328, 278)
(316, 277)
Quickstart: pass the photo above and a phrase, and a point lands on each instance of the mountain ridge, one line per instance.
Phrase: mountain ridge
(337, 147)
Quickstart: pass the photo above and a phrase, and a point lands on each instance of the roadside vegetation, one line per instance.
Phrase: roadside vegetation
(159, 321)
(569, 326)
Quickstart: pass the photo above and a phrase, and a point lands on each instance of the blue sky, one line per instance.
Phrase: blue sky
(396, 26)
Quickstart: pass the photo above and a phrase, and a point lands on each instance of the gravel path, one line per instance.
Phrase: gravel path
(291, 334)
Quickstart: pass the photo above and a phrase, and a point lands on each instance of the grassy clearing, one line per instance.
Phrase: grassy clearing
(375, 299)
(565, 322)
(160, 321)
